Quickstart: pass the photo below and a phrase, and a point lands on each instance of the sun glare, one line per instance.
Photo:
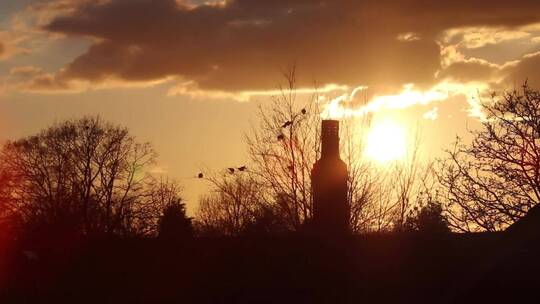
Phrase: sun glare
(386, 141)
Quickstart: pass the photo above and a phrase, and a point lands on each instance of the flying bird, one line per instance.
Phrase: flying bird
(231, 170)
(304, 111)
(286, 124)
(243, 168)
(200, 175)
(281, 137)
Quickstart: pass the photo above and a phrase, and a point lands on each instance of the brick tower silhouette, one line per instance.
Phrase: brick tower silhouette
(331, 210)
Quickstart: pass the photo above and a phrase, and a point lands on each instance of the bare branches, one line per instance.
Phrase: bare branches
(283, 147)
(231, 207)
(85, 172)
(494, 181)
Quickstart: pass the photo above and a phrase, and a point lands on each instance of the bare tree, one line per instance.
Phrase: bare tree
(412, 180)
(84, 173)
(493, 181)
(368, 191)
(283, 147)
(231, 207)
(382, 196)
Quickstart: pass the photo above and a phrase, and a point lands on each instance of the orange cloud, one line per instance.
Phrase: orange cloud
(469, 70)
(480, 36)
(526, 69)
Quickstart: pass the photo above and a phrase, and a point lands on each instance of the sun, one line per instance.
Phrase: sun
(386, 142)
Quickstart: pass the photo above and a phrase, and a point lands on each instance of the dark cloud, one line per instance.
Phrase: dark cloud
(243, 44)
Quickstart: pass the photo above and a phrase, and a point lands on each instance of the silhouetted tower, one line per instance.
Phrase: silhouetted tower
(331, 210)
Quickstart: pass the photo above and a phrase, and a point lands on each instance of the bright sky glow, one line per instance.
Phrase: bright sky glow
(386, 141)
(338, 107)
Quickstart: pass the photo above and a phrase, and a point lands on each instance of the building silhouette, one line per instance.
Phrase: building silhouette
(331, 210)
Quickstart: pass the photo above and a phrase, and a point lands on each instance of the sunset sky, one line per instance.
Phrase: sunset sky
(188, 75)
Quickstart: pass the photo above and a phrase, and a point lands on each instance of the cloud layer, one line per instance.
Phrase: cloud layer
(242, 45)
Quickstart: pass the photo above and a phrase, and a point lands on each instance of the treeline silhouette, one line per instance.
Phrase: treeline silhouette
(90, 177)
(84, 177)
(82, 219)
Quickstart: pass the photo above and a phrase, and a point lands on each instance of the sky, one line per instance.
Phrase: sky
(188, 76)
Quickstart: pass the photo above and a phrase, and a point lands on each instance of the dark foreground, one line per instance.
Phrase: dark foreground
(476, 268)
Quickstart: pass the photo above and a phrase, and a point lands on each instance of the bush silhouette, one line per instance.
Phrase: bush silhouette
(428, 219)
(174, 224)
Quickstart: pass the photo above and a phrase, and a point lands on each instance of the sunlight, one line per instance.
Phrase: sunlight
(339, 107)
(386, 141)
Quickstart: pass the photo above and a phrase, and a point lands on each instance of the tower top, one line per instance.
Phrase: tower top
(330, 139)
